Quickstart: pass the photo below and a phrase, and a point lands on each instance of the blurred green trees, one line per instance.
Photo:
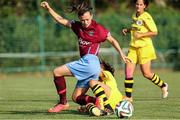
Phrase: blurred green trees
(20, 29)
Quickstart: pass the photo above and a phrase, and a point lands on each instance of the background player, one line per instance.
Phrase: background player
(141, 49)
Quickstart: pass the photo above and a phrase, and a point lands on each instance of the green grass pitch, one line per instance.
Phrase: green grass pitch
(28, 96)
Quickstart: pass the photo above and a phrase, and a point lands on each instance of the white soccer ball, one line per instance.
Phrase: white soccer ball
(124, 109)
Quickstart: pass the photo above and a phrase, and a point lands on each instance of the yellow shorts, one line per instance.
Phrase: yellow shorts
(141, 55)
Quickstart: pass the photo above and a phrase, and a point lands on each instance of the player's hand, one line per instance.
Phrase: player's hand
(124, 31)
(45, 5)
(126, 59)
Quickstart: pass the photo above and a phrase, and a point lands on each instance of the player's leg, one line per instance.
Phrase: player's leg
(95, 111)
(99, 92)
(79, 96)
(147, 73)
(99, 101)
(129, 81)
(129, 71)
(60, 84)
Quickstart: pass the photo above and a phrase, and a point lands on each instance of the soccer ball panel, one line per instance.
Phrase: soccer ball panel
(124, 109)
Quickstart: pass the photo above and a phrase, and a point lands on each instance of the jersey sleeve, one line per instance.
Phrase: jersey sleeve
(149, 22)
(75, 25)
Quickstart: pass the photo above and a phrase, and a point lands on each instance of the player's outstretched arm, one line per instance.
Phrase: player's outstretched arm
(116, 45)
(55, 16)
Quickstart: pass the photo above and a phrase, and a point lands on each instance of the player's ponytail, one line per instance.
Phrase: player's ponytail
(80, 6)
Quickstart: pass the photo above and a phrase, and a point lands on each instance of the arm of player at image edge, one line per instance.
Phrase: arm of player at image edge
(116, 45)
(58, 18)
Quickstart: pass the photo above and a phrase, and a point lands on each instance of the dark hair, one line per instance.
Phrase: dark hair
(107, 66)
(146, 2)
(80, 6)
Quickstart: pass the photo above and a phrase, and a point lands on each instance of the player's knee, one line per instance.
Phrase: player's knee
(74, 98)
(92, 83)
(56, 72)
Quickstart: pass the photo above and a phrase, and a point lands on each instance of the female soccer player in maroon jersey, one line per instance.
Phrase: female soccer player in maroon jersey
(87, 69)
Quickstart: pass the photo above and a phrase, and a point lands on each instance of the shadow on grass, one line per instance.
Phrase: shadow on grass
(31, 100)
(64, 113)
(33, 112)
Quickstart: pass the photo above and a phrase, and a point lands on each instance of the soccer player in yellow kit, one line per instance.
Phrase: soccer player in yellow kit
(141, 49)
(108, 82)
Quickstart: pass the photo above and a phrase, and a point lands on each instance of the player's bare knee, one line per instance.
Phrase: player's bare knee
(56, 72)
(92, 83)
(74, 98)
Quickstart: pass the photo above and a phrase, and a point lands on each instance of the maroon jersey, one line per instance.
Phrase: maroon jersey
(89, 38)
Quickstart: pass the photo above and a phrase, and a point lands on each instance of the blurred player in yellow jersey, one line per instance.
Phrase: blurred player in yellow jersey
(108, 82)
(141, 49)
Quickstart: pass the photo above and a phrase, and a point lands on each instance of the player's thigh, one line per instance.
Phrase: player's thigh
(79, 91)
(62, 71)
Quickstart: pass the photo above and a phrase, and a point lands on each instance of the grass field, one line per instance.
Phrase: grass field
(28, 96)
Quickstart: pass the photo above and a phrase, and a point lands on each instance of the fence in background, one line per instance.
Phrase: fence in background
(108, 54)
